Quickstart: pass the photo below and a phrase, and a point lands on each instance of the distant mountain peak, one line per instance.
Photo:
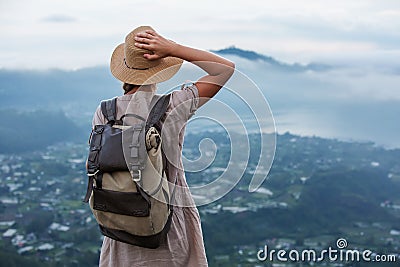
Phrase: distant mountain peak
(248, 54)
(254, 56)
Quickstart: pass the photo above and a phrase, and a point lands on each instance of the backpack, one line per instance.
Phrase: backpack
(133, 205)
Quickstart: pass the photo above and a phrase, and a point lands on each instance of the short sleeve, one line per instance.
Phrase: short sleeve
(98, 118)
(185, 102)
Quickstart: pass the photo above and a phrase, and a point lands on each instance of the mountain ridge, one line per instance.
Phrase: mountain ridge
(23, 131)
(254, 56)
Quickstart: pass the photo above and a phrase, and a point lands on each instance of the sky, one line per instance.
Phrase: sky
(74, 34)
(359, 97)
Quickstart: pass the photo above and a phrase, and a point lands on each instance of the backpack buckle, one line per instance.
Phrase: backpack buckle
(136, 175)
(93, 174)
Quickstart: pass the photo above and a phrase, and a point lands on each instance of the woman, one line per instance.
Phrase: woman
(145, 59)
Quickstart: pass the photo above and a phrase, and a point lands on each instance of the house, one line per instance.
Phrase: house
(394, 232)
(45, 246)
(9, 233)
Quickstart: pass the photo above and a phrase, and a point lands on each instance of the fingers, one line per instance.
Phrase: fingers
(151, 57)
(151, 32)
(142, 40)
(148, 34)
(143, 46)
(147, 40)
(147, 47)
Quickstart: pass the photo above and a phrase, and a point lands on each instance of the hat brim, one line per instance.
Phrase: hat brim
(167, 68)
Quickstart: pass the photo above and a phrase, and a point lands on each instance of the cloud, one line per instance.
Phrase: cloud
(299, 31)
(58, 18)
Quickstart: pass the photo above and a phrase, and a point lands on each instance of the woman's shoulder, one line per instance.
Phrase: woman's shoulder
(185, 101)
(187, 93)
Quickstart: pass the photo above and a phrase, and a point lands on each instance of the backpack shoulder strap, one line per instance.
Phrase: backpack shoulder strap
(159, 105)
(109, 109)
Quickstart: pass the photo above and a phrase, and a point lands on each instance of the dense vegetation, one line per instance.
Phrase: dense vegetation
(24, 131)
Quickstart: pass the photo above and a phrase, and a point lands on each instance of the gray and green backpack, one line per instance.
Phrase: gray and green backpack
(128, 189)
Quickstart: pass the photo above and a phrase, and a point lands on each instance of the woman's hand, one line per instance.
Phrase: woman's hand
(154, 42)
(219, 69)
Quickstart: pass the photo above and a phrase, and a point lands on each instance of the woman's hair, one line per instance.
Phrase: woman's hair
(129, 87)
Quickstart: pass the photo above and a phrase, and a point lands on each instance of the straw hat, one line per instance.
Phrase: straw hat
(128, 64)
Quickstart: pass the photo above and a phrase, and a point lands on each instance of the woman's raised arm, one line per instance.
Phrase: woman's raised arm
(218, 68)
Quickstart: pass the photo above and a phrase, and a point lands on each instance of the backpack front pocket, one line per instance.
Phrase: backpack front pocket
(123, 203)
